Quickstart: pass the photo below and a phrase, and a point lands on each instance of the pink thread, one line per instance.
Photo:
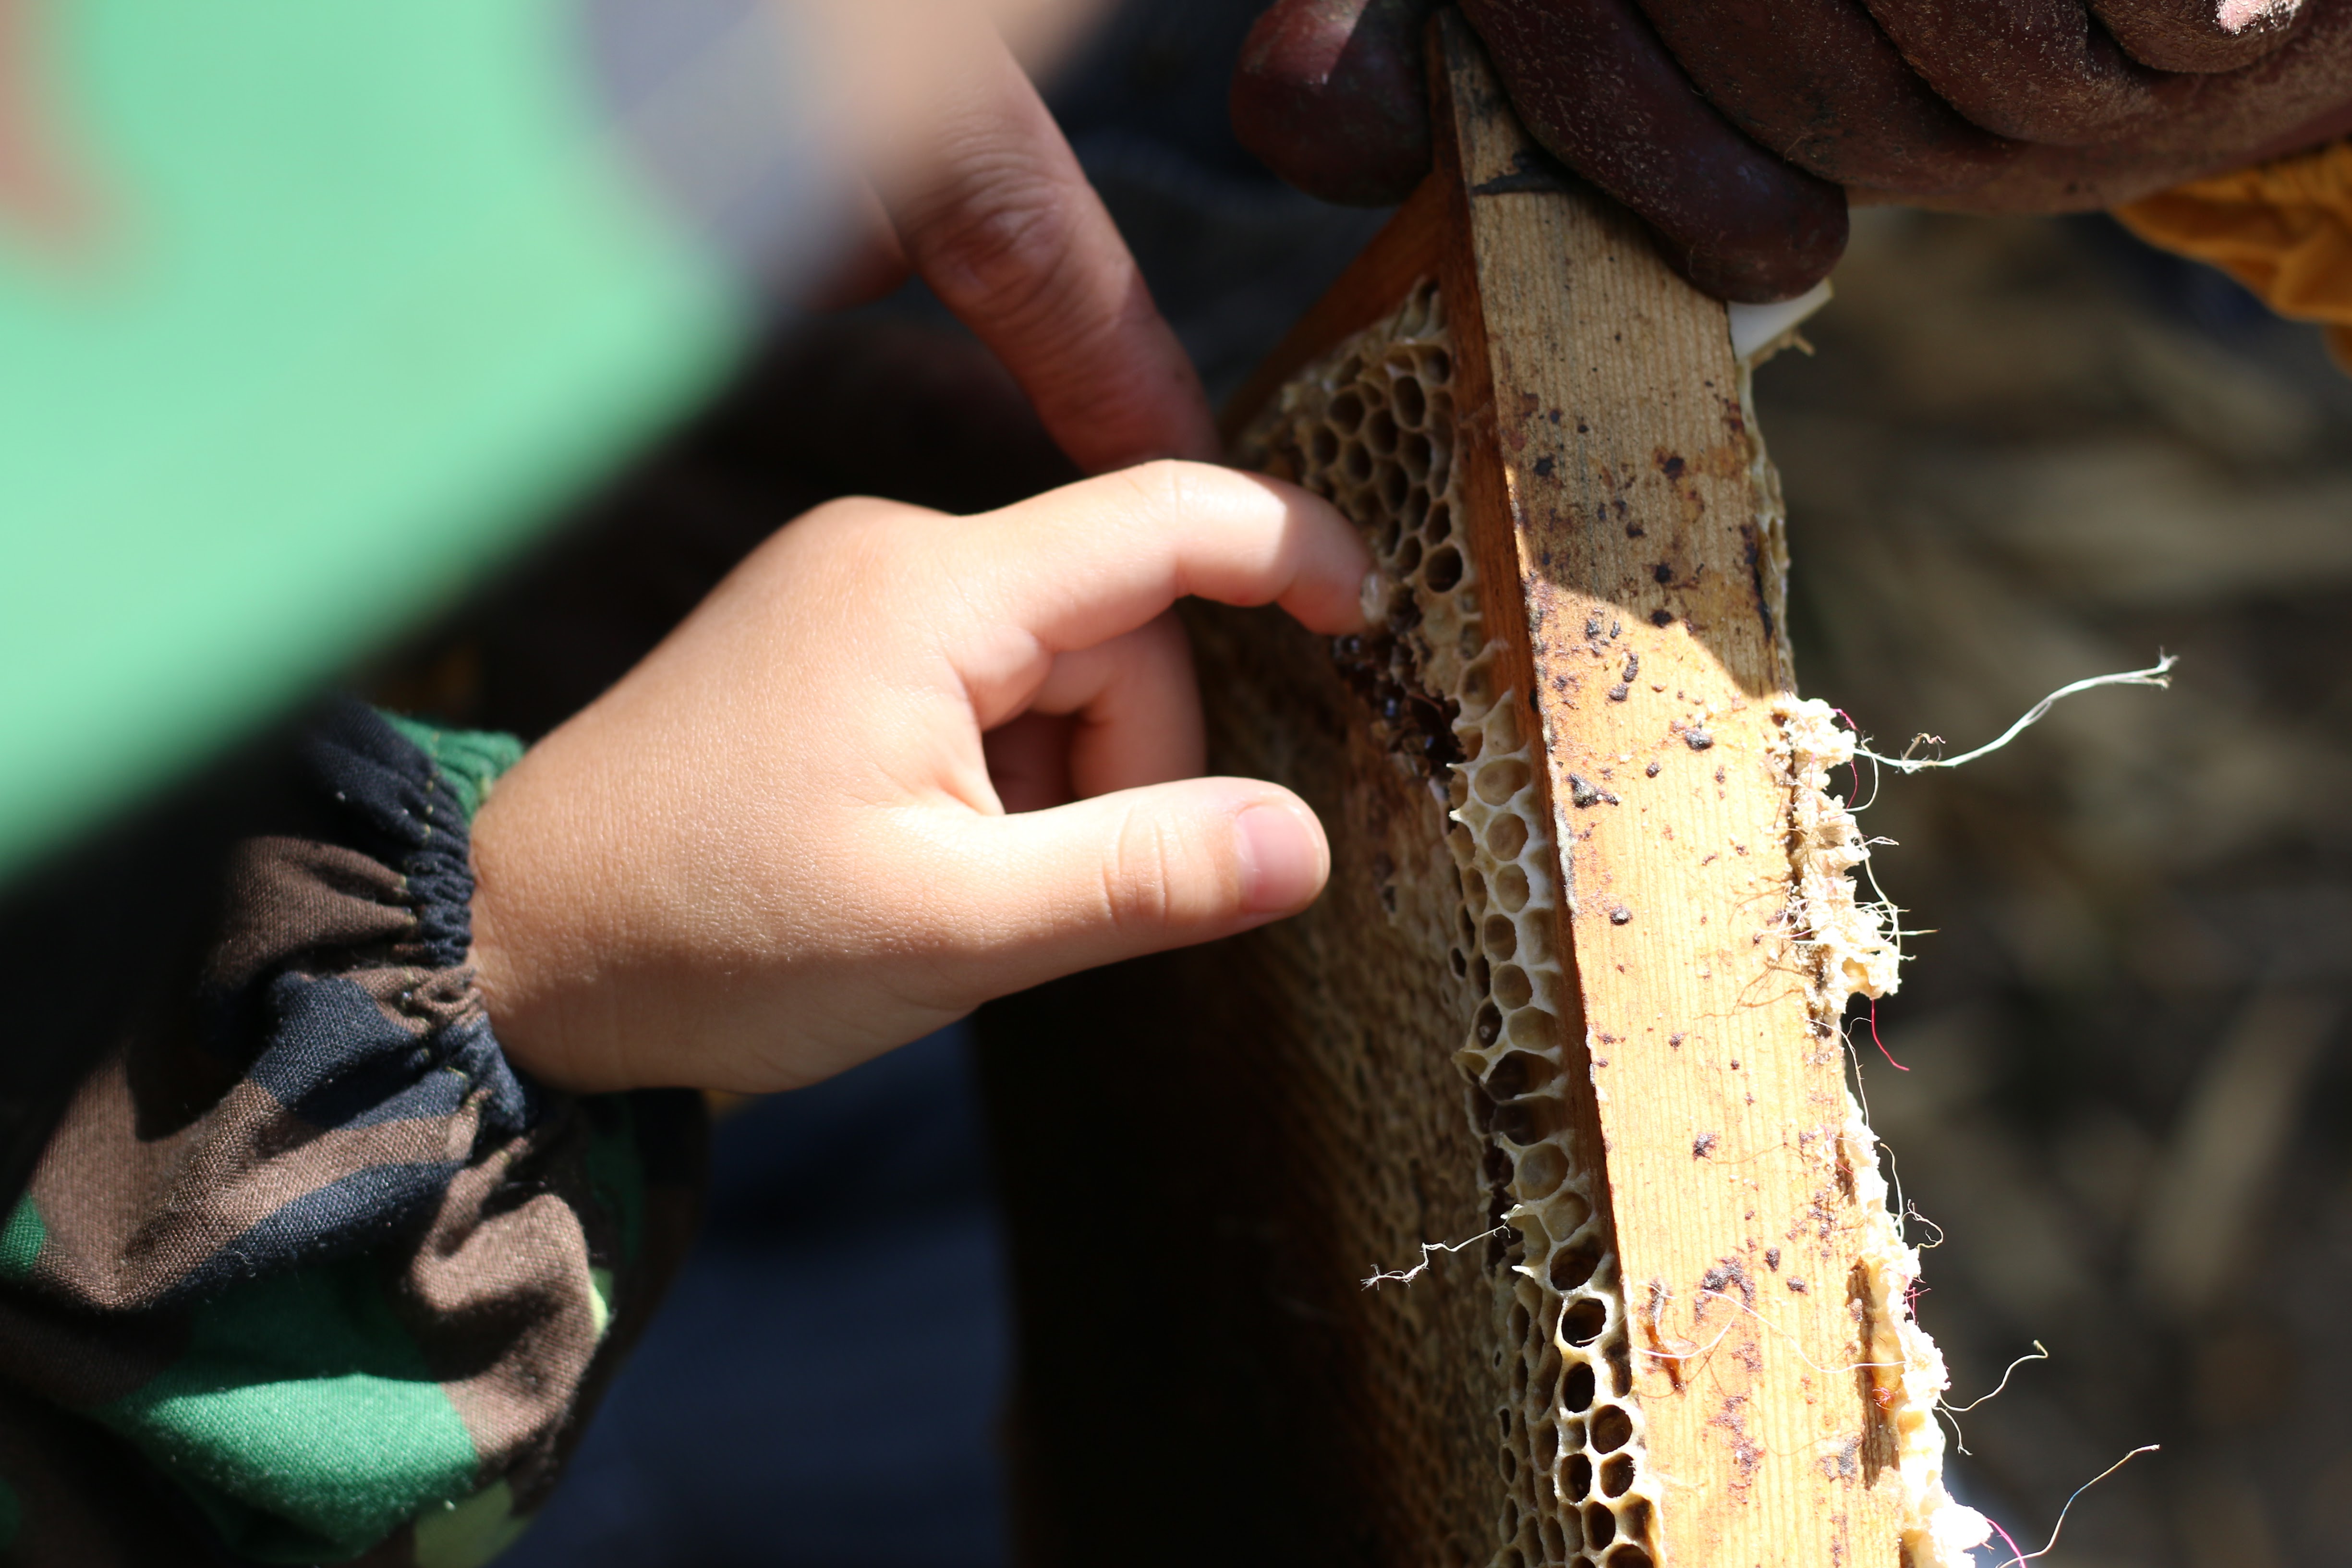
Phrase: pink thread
(1851, 761)
(2016, 1552)
(1879, 1042)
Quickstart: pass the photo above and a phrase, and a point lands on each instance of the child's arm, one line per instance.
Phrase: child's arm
(782, 845)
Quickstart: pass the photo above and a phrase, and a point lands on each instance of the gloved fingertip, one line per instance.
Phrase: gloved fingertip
(1331, 95)
(1757, 264)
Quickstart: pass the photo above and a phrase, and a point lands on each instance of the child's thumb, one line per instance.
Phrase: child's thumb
(1137, 871)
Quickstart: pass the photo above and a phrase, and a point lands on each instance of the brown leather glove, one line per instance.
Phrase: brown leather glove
(1730, 124)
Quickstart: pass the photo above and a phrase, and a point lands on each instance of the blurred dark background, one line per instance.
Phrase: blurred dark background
(2024, 451)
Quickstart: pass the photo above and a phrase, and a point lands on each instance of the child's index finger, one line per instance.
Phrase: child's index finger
(1096, 559)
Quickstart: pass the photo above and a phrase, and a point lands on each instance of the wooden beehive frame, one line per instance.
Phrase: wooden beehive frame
(1681, 1335)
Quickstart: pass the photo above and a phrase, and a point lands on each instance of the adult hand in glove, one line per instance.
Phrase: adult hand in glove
(1738, 128)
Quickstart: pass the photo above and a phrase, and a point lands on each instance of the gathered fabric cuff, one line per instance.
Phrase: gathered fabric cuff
(311, 1267)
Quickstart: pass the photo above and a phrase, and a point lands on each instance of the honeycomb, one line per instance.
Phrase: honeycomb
(1371, 429)
(1856, 953)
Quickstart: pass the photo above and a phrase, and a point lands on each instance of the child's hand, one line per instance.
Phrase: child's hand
(780, 846)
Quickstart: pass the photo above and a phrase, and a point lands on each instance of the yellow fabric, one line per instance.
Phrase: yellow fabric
(2283, 229)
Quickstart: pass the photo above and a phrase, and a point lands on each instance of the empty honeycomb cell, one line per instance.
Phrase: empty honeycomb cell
(1572, 1208)
(1600, 1525)
(1535, 938)
(1627, 1555)
(1500, 934)
(1498, 780)
(1442, 570)
(1380, 434)
(1554, 1540)
(1582, 1321)
(1540, 1172)
(1512, 987)
(1510, 889)
(1408, 556)
(1413, 455)
(1611, 1428)
(1531, 1027)
(1396, 485)
(1347, 414)
(1515, 1073)
(1526, 1120)
(1576, 1483)
(1576, 1391)
(1574, 1264)
(1617, 1475)
(1507, 837)
(1412, 405)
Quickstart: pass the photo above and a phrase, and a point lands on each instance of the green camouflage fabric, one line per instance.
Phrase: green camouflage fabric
(309, 1273)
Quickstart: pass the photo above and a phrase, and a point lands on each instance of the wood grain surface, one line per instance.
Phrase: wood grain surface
(1643, 555)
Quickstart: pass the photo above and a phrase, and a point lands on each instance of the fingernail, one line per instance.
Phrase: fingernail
(1282, 858)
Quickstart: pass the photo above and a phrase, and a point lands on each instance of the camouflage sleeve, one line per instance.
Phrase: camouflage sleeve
(312, 1274)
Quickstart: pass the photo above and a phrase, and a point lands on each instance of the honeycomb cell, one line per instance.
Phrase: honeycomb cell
(1412, 405)
(1500, 936)
(1515, 1073)
(1396, 485)
(1577, 1389)
(1541, 1171)
(1611, 1428)
(1507, 837)
(1583, 1320)
(1574, 1264)
(1497, 781)
(1531, 1027)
